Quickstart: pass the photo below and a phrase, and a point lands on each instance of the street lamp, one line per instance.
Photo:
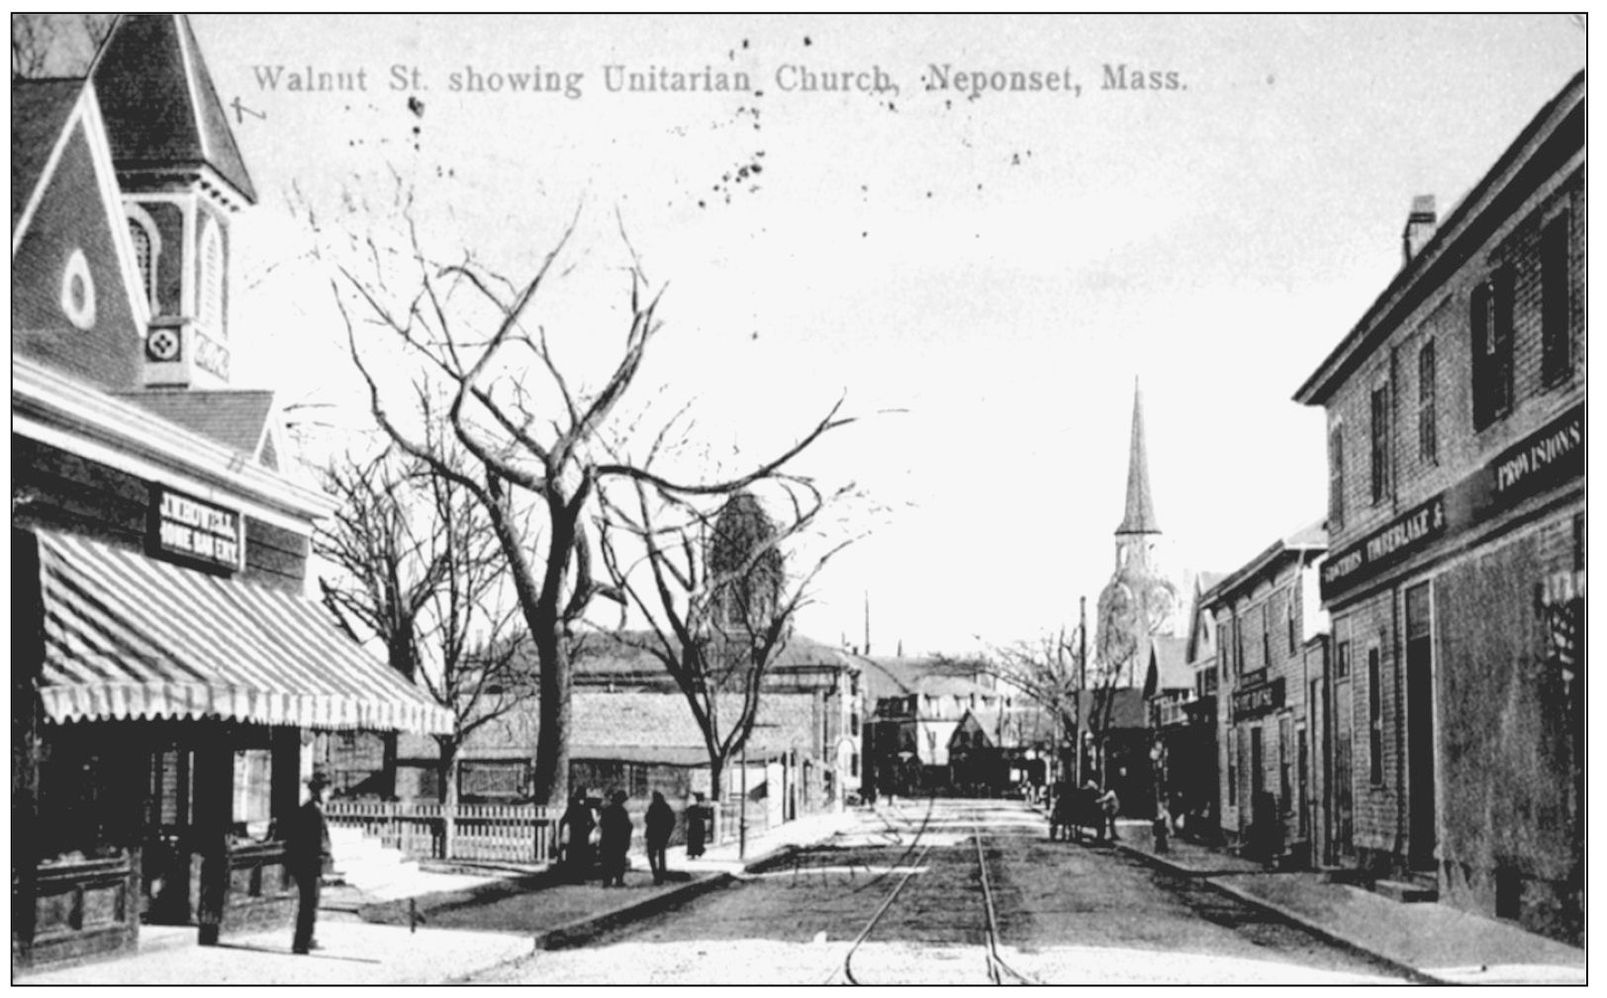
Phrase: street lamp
(742, 805)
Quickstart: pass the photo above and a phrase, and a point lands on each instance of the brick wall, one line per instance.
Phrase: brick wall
(1445, 319)
(1511, 715)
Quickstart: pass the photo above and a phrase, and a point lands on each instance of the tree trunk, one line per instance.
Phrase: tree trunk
(551, 775)
(446, 788)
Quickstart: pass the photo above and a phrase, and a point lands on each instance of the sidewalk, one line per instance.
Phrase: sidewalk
(370, 941)
(1434, 943)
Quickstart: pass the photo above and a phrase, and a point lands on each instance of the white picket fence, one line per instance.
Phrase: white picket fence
(508, 833)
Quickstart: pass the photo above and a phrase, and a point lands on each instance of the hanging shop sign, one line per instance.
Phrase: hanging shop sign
(1257, 700)
(184, 528)
(1405, 535)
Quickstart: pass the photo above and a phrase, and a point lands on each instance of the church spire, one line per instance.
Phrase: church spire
(1139, 516)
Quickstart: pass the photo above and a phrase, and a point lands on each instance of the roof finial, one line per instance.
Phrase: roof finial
(1139, 515)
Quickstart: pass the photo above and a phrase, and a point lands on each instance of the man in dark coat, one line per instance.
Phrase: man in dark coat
(306, 850)
(660, 825)
(614, 840)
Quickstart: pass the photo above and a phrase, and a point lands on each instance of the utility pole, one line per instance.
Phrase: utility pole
(1082, 680)
(867, 623)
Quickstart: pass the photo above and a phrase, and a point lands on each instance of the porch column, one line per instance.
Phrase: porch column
(214, 811)
(27, 662)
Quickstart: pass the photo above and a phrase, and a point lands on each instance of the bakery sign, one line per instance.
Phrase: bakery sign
(1405, 535)
(1262, 698)
(193, 530)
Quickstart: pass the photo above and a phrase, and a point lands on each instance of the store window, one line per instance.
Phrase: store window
(253, 792)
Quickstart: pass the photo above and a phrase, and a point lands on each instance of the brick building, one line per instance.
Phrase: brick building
(1267, 617)
(1456, 445)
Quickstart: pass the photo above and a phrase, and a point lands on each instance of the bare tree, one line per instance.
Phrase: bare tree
(532, 437)
(716, 594)
(1048, 673)
(419, 569)
(56, 44)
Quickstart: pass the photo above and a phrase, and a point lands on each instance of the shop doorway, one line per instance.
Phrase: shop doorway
(1420, 728)
(1344, 811)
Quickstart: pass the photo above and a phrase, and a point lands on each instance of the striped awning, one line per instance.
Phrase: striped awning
(129, 637)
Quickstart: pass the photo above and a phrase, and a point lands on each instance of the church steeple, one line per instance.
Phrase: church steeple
(1139, 515)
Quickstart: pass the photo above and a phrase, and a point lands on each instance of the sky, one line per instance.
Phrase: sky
(982, 275)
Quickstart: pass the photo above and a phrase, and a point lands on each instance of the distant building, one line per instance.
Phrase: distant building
(939, 726)
(1456, 452)
(632, 729)
(1270, 628)
(1188, 773)
(1181, 747)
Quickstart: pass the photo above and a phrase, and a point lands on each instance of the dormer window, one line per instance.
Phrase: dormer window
(210, 303)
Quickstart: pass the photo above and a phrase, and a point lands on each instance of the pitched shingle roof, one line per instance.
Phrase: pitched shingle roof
(39, 111)
(159, 102)
(237, 419)
(639, 726)
(628, 653)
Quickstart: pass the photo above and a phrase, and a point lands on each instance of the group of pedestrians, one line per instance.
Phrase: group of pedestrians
(612, 823)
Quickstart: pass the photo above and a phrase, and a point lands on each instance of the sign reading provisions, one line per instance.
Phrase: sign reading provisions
(1544, 459)
(194, 530)
(1402, 536)
(1258, 699)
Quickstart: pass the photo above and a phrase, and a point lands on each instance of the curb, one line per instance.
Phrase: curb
(588, 927)
(1294, 918)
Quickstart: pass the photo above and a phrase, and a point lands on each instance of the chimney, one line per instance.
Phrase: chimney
(1419, 226)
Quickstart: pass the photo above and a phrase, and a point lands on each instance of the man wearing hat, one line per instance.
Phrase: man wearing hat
(306, 850)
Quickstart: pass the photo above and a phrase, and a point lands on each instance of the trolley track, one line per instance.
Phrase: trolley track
(997, 969)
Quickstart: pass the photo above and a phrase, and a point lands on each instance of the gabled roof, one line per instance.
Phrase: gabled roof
(1168, 667)
(160, 106)
(237, 419)
(39, 112)
(1127, 709)
(986, 722)
(1560, 126)
(1308, 539)
(893, 676)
